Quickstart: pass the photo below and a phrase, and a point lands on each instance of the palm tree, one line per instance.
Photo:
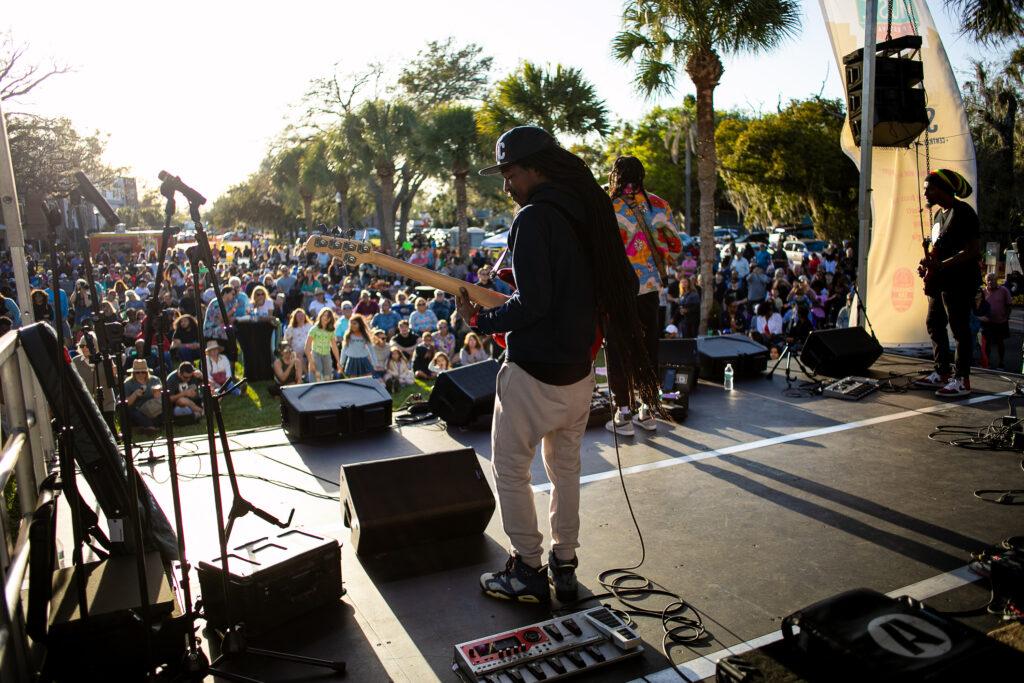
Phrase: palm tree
(343, 161)
(661, 35)
(380, 132)
(989, 21)
(559, 101)
(452, 133)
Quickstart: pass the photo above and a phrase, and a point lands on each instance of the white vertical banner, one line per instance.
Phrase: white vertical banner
(896, 304)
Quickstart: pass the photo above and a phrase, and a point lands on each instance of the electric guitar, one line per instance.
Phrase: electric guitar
(353, 253)
(927, 274)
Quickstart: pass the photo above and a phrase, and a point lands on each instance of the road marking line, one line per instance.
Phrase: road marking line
(775, 440)
(699, 668)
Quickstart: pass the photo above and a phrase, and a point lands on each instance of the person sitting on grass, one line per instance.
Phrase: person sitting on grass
(444, 340)
(288, 370)
(184, 388)
(217, 364)
(387, 319)
(439, 364)
(472, 350)
(405, 340)
(423, 355)
(379, 353)
(398, 371)
(142, 396)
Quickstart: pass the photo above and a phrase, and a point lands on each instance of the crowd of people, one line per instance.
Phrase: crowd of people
(329, 321)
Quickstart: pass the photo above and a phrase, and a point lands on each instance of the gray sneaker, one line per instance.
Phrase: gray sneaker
(620, 424)
(562, 576)
(645, 419)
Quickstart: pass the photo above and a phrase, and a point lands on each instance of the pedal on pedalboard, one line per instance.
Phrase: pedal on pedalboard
(548, 650)
(850, 388)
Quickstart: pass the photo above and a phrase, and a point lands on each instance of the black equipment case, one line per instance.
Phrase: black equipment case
(271, 580)
(344, 407)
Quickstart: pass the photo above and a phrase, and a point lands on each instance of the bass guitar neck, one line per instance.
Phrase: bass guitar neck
(352, 253)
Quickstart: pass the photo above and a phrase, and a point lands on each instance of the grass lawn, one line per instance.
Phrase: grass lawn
(257, 408)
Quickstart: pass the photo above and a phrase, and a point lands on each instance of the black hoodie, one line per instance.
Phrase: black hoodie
(551, 319)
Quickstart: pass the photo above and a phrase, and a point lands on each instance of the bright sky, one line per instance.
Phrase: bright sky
(199, 88)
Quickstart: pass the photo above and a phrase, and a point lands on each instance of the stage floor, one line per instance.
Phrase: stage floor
(756, 505)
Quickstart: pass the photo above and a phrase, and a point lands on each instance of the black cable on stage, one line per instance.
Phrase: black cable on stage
(627, 586)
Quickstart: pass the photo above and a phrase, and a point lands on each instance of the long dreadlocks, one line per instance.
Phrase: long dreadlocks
(627, 172)
(614, 282)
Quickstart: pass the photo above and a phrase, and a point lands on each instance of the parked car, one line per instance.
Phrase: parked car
(795, 249)
(725, 234)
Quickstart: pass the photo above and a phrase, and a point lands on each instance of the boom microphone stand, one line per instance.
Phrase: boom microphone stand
(233, 642)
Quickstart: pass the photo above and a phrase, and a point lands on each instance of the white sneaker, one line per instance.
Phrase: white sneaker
(620, 424)
(956, 387)
(933, 381)
(645, 419)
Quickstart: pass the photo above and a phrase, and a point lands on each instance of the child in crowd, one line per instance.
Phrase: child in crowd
(355, 350)
(322, 347)
(398, 372)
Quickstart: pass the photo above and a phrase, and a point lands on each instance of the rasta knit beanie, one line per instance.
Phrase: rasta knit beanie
(951, 181)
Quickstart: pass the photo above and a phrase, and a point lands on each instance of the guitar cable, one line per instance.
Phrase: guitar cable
(682, 624)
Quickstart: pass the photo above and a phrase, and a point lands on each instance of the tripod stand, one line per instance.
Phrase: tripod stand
(789, 353)
(233, 639)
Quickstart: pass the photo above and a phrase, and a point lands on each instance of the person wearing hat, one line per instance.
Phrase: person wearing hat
(217, 364)
(569, 263)
(142, 396)
(184, 388)
(952, 276)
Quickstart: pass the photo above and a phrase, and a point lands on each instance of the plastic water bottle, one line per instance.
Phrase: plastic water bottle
(727, 383)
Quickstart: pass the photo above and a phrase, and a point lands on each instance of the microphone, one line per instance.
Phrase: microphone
(90, 192)
(174, 182)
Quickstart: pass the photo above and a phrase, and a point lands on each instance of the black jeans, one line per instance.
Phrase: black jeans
(952, 308)
(647, 306)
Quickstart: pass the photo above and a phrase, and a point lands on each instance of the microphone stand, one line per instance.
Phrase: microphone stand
(66, 437)
(233, 638)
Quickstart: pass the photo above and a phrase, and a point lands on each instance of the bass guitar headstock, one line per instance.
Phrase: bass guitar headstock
(350, 252)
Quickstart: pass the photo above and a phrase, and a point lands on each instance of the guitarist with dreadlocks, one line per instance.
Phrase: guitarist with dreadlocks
(952, 277)
(572, 275)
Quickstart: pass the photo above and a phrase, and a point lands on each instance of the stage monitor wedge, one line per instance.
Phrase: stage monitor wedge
(400, 503)
(342, 407)
(840, 352)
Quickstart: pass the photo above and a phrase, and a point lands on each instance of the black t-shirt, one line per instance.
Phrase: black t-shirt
(421, 359)
(175, 385)
(406, 342)
(953, 230)
(189, 336)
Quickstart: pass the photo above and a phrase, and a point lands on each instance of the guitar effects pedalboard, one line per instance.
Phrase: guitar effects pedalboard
(548, 650)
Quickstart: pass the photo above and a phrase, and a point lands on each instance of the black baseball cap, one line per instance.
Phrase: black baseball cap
(517, 144)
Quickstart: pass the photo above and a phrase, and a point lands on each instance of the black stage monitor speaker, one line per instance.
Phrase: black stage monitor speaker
(677, 352)
(840, 352)
(346, 406)
(463, 394)
(746, 356)
(402, 502)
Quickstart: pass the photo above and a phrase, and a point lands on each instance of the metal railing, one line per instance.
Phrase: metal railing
(23, 456)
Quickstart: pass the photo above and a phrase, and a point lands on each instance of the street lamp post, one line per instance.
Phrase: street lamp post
(337, 198)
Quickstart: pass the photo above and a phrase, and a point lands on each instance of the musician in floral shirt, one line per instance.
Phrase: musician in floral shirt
(652, 245)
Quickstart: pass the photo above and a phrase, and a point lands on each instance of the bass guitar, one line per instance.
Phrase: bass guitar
(928, 274)
(352, 253)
